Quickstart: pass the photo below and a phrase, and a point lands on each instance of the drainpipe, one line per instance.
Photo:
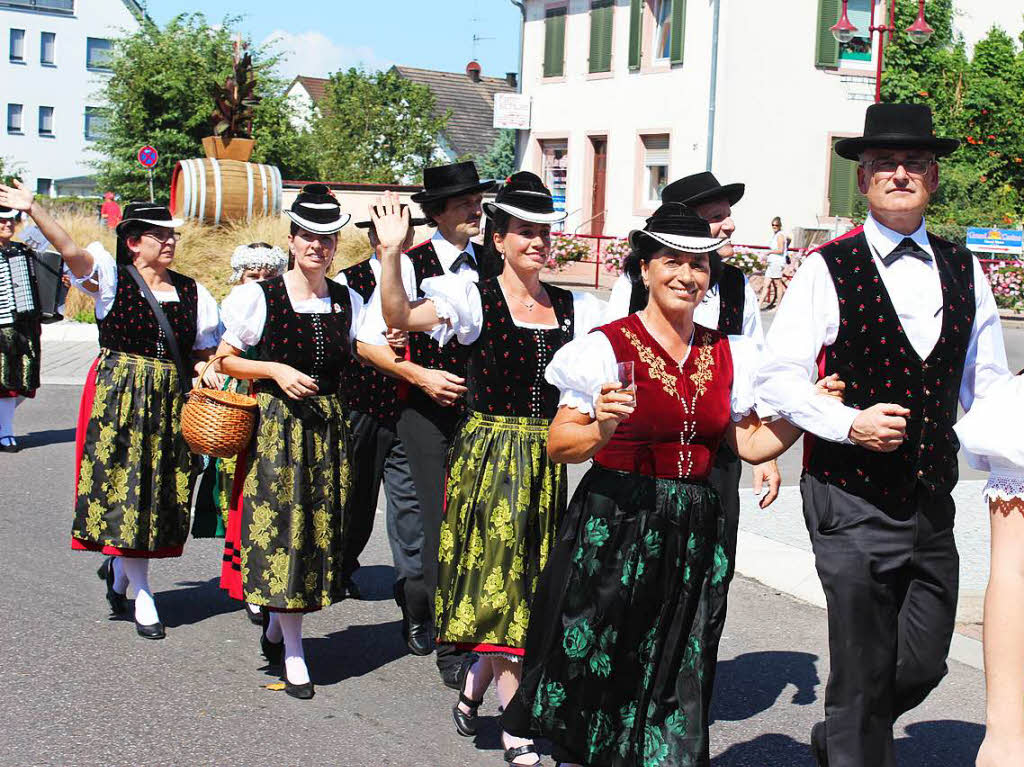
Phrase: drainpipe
(713, 96)
(521, 5)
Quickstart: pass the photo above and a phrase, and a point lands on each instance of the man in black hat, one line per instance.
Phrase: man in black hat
(451, 200)
(908, 321)
(379, 456)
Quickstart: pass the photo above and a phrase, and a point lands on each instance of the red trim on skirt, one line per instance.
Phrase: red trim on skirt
(84, 414)
(231, 565)
(485, 648)
(12, 393)
(77, 544)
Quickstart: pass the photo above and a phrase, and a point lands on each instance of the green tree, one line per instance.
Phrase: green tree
(500, 162)
(979, 100)
(160, 94)
(375, 128)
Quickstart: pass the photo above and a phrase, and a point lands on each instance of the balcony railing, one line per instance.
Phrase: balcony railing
(58, 6)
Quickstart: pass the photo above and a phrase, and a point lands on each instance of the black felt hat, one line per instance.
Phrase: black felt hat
(444, 181)
(151, 213)
(524, 196)
(317, 210)
(897, 126)
(678, 226)
(700, 188)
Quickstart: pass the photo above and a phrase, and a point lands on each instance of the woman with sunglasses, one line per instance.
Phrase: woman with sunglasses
(135, 471)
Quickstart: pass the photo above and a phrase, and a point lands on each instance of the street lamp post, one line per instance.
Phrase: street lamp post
(919, 32)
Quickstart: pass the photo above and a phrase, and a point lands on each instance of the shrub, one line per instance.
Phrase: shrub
(749, 260)
(566, 249)
(1008, 286)
(614, 255)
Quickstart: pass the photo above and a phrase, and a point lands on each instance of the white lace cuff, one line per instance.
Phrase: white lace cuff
(1004, 487)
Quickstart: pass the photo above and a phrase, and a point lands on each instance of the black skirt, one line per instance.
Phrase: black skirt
(621, 647)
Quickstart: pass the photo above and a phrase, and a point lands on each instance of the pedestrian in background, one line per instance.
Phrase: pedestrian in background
(110, 211)
(778, 258)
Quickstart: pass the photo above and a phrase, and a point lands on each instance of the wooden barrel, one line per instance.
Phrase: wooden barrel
(218, 191)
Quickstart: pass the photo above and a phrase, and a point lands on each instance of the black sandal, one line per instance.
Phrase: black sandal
(511, 754)
(466, 723)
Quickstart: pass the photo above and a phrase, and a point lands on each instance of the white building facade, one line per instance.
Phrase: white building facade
(621, 95)
(53, 64)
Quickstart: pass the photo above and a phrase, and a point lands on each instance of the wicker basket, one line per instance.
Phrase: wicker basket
(217, 423)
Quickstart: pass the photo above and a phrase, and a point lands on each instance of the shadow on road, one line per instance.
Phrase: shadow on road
(355, 651)
(44, 438)
(943, 743)
(927, 744)
(376, 582)
(191, 602)
(770, 750)
(751, 683)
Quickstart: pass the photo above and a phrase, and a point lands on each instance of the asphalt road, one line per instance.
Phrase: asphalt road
(79, 689)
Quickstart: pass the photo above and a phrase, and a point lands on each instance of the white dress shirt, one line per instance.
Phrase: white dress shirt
(808, 320)
(706, 313)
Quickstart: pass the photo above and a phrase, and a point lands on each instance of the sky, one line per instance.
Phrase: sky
(321, 37)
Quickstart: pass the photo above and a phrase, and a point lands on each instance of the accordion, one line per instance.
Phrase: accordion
(30, 285)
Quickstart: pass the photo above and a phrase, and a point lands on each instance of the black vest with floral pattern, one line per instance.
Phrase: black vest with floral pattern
(506, 363)
(731, 300)
(314, 344)
(873, 355)
(131, 326)
(424, 350)
(365, 389)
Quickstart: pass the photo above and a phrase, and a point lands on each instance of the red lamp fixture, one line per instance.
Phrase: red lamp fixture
(920, 32)
(844, 30)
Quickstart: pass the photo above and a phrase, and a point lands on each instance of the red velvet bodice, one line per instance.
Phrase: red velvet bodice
(681, 413)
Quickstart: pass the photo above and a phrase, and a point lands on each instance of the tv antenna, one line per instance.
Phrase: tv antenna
(477, 37)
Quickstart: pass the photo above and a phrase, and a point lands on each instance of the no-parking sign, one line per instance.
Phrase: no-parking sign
(148, 157)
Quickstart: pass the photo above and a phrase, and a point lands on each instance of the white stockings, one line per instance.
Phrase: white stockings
(137, 571)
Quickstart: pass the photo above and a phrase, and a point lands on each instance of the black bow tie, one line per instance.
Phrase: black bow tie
(464, 258)
(907, 247)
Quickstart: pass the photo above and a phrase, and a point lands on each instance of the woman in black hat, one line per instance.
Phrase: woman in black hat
(135, 472)
(301, 328)
(19, 336)
(622, 642)
(504, 497)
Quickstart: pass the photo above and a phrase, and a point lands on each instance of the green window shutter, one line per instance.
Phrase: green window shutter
(636, 26)
(842, 185)
(554, 43)
(678, 42)
(601, 21)
(827, 49)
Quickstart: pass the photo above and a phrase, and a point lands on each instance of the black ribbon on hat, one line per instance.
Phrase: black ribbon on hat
(465, 257)
(907, 247)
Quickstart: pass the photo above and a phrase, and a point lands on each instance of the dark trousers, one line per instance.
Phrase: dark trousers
(890, 581)
(379, 456)
(426, 433)
(725, 480)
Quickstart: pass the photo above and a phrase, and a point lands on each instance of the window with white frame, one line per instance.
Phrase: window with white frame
(17, 46)
(45, 121)
(662, 30)
(655, 174)
(859, 48)
(97, 52)
(14, 118)
(48, 48)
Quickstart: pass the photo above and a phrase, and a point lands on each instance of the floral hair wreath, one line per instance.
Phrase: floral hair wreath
(248, 257)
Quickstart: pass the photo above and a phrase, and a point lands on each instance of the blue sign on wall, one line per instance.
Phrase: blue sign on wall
(982, 240)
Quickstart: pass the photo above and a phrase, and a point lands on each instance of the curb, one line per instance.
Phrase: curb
(762, 560)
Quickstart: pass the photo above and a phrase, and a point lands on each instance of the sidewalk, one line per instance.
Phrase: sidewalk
(69, 348)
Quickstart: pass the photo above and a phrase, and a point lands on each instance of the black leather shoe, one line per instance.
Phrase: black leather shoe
(8, 445)
(512, 754)
(300, 691)
(466, 723)
(350, 589)
(118, 602)
(418, 636)
(255, 618)
(818, 745)
(272, 651)
(455, 676)
(152, 631)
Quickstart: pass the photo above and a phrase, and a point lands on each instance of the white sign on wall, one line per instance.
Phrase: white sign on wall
(512, 110)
